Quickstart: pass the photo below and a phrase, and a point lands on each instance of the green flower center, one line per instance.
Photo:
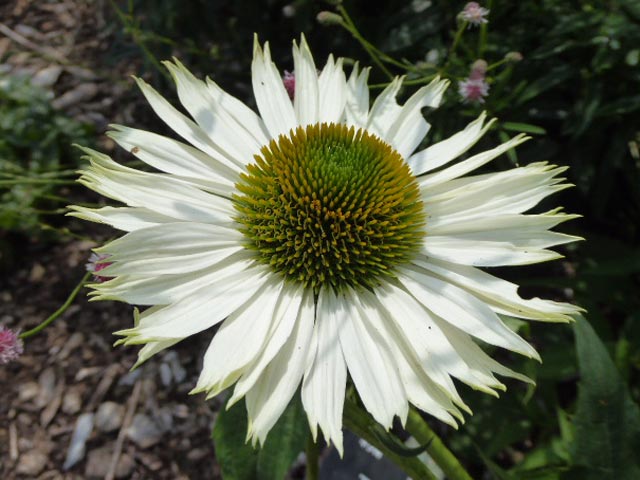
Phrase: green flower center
(330, 205)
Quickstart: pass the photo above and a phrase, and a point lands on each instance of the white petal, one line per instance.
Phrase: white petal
(500, 295)
(466, 166)
(385, 109)
(424, 393)
(410, 128)
(280, 380)
(523, 231)
(509, 192)
(160, 193)
(271, 97)
(239, 340)
(357, 103)
(463, 310)
(122, 218)
(203, 308)
(332, 85)
(306, 98)
(170, 248)
(167, 289)
(422, 339)
(186, 128)
(222, 129)
(152, 348)
(286, 315)
(174, 157)
(481, 366)
(369, 361)
(324, 384)
(483, 253)
(433, 347)
(244, 117)
(443, 152)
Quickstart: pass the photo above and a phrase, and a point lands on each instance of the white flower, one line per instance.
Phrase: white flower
(323, 244)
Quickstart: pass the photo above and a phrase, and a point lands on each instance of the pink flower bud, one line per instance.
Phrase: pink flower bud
(289, 81)
(95, 264)
(10, 345)
(473, 90)
(474, 14)
(478, 70)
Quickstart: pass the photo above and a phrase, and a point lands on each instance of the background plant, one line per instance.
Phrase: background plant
(37, 160)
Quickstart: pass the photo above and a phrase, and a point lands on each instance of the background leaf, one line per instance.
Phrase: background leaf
(284, 443)
(238, 460)
(607, 421)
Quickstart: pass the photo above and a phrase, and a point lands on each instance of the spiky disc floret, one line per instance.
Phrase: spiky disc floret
(330, 204)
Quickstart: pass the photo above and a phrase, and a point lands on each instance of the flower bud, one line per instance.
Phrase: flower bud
(329, 18)
(513, 57)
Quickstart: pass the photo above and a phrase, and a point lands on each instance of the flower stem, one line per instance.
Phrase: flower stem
(35, 181)
(440, 454)
(482, 43)
(58, 312)
(360, 423)
(452, 50)
(351, 27)
(312, 458)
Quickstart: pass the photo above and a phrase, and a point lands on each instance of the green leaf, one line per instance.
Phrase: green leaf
(524, 127)
(284, 443)
(238, 460)
(607, 421)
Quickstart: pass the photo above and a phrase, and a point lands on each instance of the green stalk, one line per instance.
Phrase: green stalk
(452, 50)
(440, 454)
(35, 181)
(482, 44)
(58, 312)
(360, 423)
(351, 27)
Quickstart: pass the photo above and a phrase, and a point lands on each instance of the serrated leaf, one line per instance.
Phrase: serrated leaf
(284, 443)
(607, 421)
(238, 460)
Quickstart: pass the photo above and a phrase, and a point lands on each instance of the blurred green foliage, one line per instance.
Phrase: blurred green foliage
(36, 154)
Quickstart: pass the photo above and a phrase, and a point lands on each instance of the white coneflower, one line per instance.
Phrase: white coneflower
(323, 244)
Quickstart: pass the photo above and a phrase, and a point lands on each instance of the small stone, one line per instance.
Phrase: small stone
(74, 341)
(37, 273)
(81, 93)
(196, 454)
(99, 460)
(72, 401)
(77, 446)
(178, 372)
(47, 383)
(31, 463)
(82, 73)
(130, 378)
(28, 391)
(109, 416)
(143, 431)
(165, 374)
(47, 77)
